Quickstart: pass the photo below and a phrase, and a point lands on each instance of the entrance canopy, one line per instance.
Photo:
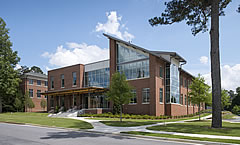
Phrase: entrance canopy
(85, 90)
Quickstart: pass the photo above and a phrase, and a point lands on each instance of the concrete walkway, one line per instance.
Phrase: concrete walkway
(100, 127)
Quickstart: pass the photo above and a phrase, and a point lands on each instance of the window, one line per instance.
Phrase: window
(133, 70)
(160, 95)
(185, 83)
(51, 101)
(39, 93)
(132, 62)
(45, 95)
(99, 78)
(161, 72)
(181, 99)
(46, 83)
(189, 100)
(134, 99)
(31, 93)
(145, 95)
(30, 81)
(52, 82)
(62, 80)
(39, 82)
(74, 75)
(185, 97)
(181, 81)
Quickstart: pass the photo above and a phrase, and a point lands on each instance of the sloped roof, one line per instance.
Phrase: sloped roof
(155, 53)
(39, 75)
(173, 54)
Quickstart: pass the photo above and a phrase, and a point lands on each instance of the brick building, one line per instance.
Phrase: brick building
(35, 84)
(160, 84)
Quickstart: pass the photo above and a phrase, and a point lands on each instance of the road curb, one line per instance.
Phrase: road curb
(126, 135)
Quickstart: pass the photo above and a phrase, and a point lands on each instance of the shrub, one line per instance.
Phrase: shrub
(236, 110)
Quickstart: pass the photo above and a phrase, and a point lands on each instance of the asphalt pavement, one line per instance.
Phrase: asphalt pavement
(13, 134)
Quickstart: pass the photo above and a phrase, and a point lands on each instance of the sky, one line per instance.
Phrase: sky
(57, 33)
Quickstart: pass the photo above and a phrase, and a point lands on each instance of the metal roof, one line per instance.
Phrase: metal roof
(134, 46)
(84, 90)
(39, 75)
(173, 54)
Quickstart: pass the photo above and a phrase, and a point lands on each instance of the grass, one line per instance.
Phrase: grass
(42, 119)
(127, 123)
(200, 127)
(228, 116)
(138, 122)
(183, 137)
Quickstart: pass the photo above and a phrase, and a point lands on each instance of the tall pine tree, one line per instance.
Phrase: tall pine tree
(197, 13)
(9, 79)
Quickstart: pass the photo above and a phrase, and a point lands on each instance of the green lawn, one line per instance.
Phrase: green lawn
(138, 122)
(183, 137)
(127, 123)
(42, 119)
(228, 116)
(200, 127)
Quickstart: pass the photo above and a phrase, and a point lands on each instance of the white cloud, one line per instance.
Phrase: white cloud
(230, 77)
(18, 66)
(112, 26)
(76, 53)
(204, 59)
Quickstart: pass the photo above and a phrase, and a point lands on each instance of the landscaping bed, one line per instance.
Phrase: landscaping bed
(139, 122)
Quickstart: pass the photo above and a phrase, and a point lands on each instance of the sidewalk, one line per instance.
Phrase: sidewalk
(100, 127)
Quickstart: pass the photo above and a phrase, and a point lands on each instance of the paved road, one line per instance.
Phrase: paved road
(11, 134)
(235, 120)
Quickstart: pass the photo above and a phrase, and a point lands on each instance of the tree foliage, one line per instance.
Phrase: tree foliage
(25, 69)
(43, 104)
(17, 104)
(200, 92)
(236, 99)
(28, 102)
(9, 79)
(236, 110)
(120, 92)
(36, 69)
(225, 99)
(195, 13)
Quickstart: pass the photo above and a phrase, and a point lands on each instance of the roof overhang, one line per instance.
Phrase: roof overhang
(85, 90)
(134, 46)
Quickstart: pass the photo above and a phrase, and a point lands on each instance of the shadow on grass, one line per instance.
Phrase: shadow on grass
(81, 125)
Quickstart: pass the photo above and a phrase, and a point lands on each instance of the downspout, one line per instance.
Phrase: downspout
(180, 83)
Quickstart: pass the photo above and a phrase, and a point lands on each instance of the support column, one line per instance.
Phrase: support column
(89, 101)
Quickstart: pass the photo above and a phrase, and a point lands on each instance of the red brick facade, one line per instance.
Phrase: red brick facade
(26, 87)
(154, 82)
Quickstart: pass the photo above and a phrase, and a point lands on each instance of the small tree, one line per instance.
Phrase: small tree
(225, 99)
(200, 92)
(28, 102)
(18, 104)
(43, 104)
(120, 92)
(31, 104)
(236, 110)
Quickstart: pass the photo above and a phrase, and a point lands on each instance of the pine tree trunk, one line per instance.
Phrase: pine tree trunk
(120, 113)
(215, 66)
(199, 111)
